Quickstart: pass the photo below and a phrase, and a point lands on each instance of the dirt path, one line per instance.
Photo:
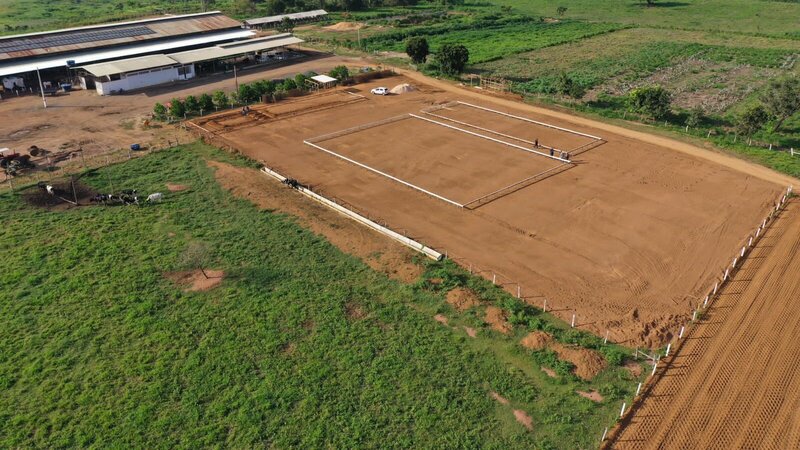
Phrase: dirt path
(736, 381)
(710, 155)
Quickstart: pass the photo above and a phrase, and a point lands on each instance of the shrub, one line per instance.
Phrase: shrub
(653, 101)
(752, 120)
(340, 72)
(206, 103)
(220, 100)
(288, 84)
(247, 94)
(160, 111)
(300, 81)
(177, 109)
(191, 105)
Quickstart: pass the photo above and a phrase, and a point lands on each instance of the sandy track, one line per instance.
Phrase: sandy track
(735, 383)
(628, 238)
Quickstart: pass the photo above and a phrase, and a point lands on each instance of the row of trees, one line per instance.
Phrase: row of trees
(245, 94)
(779, 102)
(450, 59)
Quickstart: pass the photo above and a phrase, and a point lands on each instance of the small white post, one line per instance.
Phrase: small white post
(741, 255)
(655, 366)
(770, 146)
(764, 225)
(694, 315)
(680, 334)
(716, 286)
(519, 291)
(750, 242)
(687, 128)
(573, 320)
(709, 134)
(544, 308)
(605, 341)
(622, 411)
(725, 277)
(669, 346)
(494, 278)
(733, 264)
(705, 302)
(638, 389)
(605, 432)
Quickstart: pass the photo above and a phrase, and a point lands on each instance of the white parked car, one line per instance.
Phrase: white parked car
(380, 91)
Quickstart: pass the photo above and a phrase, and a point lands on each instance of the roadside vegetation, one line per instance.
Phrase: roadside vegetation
(298, 345)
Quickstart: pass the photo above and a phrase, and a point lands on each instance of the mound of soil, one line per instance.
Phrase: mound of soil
(176, 187)
(523, 418)
(354, 311)
(195, 281)
(587, 363)
(462, 299)
(536, 340)
(591, 395)
(633, 368)
(441, 319)
(471, 332)
(500, 399)
(498, 319)
(345, 26)
(550, 372)
(402, 89)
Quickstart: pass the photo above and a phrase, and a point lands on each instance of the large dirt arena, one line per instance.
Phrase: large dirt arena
(624, 233)
(735, 383)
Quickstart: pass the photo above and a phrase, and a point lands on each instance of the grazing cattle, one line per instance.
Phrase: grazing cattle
(128, 192)
(102, 198)
(292, 183)
(155, 197)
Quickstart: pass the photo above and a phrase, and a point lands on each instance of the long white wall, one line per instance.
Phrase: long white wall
(137, 80)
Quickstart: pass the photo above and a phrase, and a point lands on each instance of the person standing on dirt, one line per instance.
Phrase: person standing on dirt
(536, 143)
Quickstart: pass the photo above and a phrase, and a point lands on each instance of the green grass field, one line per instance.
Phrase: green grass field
(98, 348)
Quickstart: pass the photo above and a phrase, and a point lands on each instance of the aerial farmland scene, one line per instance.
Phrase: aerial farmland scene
(411, 224)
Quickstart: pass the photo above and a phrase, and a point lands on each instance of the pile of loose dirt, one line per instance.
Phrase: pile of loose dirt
(550, 372)
(536, 340)
(498, 319)
(462, 299)
(523, 418)
(195, 281)
(500, 399)
(176, 187)
(587, 363)
(592, 395)
(634, 368)
(354, 311)
(441, 319)
(345, 26)
(471, 332)
(402, 89)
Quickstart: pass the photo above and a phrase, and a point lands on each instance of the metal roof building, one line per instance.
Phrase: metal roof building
(265, 22)
(53, 49)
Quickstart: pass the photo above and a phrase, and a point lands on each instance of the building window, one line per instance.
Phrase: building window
(184, 70)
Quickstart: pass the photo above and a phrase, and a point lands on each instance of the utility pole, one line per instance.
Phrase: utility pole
(41, 88)
(235, 78)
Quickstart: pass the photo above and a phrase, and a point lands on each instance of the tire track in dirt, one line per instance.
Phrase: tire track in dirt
(735, 383)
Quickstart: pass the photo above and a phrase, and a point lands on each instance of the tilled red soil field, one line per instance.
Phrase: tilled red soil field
(735, 382)
(628, 237)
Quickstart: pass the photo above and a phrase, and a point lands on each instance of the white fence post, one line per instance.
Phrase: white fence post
(605, 341)
(694, 315)
(680, 334)
(669, 346)
(622, 411)
(638, 389)
(573, 320)
(544, 308)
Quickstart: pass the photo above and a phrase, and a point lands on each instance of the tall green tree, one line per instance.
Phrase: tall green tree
(220, 99)
(653, 101)
(286, 25)
(452, 58)
(752, 120)
(782, 99)
(176, 108)
(206, 102)
(417, 48)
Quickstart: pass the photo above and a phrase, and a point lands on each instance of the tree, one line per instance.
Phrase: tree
(176, 108)
(561, 10)
(653, 101)
(160, 111)
(567, 86)
(452, 58)
(300, 81)
(417, 49)
(220, 99)
(695, 118)
(197, 256)
(244, 6)
(751, 120)
(286, 25)
(339, 72)
(191, 104)
(288, 85)
(247, 94)
(782, 99)
(206, 102)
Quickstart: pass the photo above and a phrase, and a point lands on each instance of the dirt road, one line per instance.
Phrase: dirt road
(735, 383)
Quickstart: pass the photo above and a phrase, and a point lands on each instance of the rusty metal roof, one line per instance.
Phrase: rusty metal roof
(84, 38)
